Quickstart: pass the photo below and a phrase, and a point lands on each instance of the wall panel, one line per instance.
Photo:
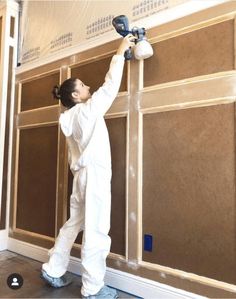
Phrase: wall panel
(189, 190)
(12, 27)
(200, 52)
(117, 134)
(93, 74)
(37, 93)
(36, 195)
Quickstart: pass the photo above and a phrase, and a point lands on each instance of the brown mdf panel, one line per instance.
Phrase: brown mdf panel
(201, 52)
(117, 134)
(189, 190)
(12, 27)
(36, 195)
(93, 74)
(38, 93)
(6, 143)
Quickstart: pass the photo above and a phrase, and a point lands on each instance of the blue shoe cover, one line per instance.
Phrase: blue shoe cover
(56, 282)
(105, 293)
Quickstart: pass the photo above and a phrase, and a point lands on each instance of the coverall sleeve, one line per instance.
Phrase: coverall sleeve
(102, 99)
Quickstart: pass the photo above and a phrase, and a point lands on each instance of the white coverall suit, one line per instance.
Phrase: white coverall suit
(90, 202)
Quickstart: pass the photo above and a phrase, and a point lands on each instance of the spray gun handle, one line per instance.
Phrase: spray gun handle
(128, 54)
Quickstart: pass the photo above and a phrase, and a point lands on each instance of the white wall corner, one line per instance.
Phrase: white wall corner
(8, 9)
(3, 239)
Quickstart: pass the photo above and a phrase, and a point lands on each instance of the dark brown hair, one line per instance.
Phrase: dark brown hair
(64, 91)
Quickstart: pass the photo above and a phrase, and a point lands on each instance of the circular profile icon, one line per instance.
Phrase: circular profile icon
(15, 281)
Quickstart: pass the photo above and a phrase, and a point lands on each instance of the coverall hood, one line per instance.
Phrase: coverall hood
(66, 121)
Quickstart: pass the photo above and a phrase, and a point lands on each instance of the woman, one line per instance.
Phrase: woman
(84, 126)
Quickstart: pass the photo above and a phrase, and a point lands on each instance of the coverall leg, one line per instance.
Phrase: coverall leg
(60, 253)
(96, 242)
(90, 207)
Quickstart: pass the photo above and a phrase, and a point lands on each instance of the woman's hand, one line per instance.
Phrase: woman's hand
(127, 42)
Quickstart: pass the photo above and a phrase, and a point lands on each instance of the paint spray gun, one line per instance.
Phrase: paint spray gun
(142, 48)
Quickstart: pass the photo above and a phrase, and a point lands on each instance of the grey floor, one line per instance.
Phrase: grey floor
(33, 286)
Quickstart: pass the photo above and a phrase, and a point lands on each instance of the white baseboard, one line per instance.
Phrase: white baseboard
(123, 281)
(3, 239)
